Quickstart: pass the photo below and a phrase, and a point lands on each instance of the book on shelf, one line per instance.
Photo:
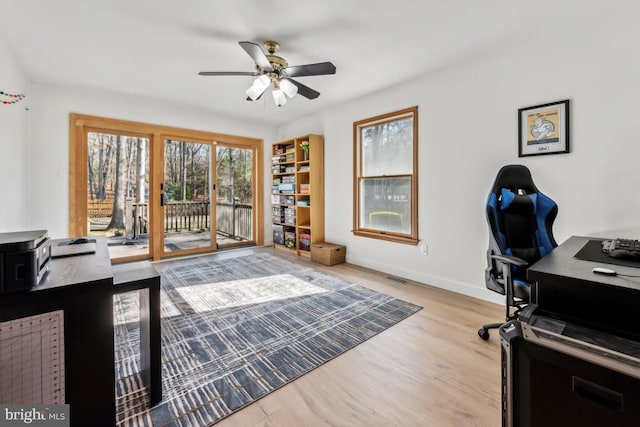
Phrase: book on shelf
(286, 187)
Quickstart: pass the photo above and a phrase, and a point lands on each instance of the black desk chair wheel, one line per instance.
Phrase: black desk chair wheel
(520, 220)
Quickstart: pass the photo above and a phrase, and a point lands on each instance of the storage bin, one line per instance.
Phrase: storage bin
(305, 241)
(328, 253)
(278, 235)
(290, 239)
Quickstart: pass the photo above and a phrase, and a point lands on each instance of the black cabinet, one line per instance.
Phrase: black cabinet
(82, 287)
(555, 374)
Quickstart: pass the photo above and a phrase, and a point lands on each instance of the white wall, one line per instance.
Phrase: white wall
(13, 144)
(468, 130)
(48, 160)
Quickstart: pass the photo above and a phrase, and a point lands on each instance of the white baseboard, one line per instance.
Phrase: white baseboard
(432, 280)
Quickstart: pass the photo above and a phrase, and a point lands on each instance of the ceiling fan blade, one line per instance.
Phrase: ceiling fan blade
(318, 69)
(228, 73)
(257, 54)
(305, 91)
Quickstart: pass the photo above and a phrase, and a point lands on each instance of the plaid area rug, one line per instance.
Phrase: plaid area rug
(234, 330)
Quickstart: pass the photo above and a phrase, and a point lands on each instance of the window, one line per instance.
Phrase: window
(385, 177)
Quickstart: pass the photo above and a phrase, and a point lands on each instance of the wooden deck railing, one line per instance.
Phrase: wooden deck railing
(186, 216)
(99, 208)
(140, 214)
(234, 220)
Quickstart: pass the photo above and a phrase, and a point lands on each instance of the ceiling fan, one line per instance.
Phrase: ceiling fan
(274, 71)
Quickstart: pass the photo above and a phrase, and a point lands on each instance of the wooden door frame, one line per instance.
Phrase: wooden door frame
(78, 125)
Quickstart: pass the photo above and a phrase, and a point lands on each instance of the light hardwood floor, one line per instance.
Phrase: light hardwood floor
(431, 369)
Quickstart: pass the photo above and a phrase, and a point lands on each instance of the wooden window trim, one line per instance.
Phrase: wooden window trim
(412, 238)
(80, 123)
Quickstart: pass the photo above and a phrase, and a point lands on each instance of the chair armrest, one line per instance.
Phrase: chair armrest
(510, 260)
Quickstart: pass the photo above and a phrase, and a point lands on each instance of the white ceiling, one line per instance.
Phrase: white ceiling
(156, 47)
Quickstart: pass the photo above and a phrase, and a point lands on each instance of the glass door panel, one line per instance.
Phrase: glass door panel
(235, 195)
(187, 197)
(118, 192)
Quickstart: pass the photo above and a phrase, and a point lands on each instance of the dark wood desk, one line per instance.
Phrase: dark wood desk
(573, 359)
(565, 286)
(81, 286)
(144, 279)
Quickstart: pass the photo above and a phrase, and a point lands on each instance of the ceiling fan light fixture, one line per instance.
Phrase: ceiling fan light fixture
(288, 88)
(274, 71)
(258, 87)
(278, 97)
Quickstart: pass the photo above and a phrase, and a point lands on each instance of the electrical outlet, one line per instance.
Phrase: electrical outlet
(424, 249)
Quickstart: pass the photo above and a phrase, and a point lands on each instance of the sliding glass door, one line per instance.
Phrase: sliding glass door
(157, 191)
(188, 218)
(235, 199)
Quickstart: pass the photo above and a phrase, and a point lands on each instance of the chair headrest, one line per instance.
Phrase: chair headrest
(514, 177)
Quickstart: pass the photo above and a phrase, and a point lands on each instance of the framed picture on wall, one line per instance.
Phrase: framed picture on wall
(543, 129)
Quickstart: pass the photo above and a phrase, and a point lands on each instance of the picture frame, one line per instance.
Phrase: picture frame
(543, 129)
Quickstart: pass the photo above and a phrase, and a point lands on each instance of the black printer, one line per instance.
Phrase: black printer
(25, 257)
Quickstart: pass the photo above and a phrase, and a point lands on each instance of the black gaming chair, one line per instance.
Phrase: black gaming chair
(520, 219)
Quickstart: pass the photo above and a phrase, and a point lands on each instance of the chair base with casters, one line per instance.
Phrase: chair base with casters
(516, 292)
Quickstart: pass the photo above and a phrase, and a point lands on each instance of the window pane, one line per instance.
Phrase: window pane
(118, 192)
(387, 148)
(187, 189)
(386, 204)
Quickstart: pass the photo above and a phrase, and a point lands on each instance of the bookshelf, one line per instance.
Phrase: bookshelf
(297, 194)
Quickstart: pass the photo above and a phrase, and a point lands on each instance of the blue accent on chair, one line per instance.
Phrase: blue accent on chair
(520, 220)
(546, 207)
(506, 198)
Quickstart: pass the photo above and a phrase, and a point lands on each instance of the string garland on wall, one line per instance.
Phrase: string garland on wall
(16, 97)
